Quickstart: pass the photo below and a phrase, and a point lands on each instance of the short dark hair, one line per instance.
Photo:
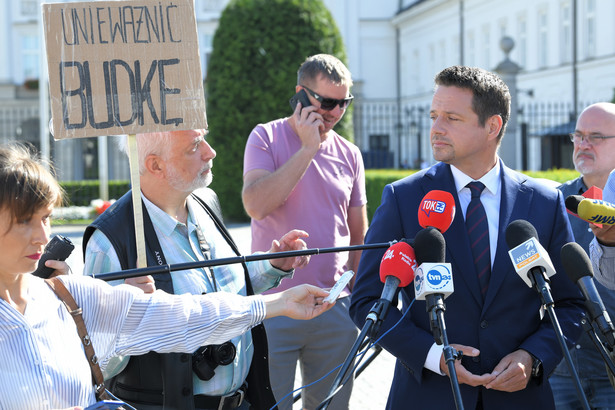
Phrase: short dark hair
(27, 183)
(490, 93)
(326, 65)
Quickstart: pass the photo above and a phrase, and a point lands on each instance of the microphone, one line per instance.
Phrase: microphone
(59, 248)
(396, 269)
(596, 211)
(579, 269)
(437, 209)
(530, 259)
(572, 203)
(433, 283)
(433, 277)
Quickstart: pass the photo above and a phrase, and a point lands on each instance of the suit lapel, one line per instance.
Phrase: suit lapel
(514, 204)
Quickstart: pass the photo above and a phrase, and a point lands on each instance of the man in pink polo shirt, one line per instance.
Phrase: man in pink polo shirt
(300, 174)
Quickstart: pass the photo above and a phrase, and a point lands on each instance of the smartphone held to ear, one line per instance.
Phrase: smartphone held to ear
(301, 97)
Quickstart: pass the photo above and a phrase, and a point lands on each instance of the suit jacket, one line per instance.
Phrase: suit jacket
(508, 319)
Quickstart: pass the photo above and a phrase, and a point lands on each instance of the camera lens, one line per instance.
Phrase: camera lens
(224, 354)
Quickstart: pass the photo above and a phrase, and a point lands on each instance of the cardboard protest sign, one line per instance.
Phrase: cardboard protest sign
(123, 67)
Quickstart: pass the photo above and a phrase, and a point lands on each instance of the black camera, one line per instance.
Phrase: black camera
(207, 358)
(59, 248)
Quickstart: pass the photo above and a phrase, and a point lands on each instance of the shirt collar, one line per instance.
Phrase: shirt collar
(491, 179)
(161, 220)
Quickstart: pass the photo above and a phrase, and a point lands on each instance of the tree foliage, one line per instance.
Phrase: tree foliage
(257, 50)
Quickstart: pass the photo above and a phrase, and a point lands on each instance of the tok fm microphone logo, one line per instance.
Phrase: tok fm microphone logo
(433, 205)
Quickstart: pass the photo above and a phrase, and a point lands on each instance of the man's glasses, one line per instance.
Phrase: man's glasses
(577, 138)
(328, 104)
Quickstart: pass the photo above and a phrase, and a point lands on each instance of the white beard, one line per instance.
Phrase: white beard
(178, 183)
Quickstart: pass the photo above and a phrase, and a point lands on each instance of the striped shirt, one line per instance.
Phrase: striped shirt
(180, 244)
(42, 362)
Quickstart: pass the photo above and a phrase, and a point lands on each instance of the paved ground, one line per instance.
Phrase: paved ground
(371, 387)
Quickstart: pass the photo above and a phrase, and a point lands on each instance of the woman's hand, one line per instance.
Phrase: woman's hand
(61, 267)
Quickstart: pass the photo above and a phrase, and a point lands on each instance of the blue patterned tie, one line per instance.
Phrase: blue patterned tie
(478, 232)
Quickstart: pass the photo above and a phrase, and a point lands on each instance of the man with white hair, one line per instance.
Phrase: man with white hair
(594, 158)
(183, 223)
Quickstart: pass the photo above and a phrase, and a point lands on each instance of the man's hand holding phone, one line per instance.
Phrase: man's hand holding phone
(308, 122)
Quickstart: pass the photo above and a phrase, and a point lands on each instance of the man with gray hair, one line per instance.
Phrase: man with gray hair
(183, 223)
(299, 173)
(594, 158)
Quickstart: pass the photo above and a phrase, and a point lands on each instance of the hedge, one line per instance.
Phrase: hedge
(80, 193)
(376, 179)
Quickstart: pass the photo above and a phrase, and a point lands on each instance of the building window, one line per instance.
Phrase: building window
(30, 56)
(206, 49)
(29, 8)
(432, 58)
(442, 58)
(522, 41)
(471, 49)
(543, 39)
(486, 47)
(566, 33)
(211, 5)
(455, 56)
(415, 79)
(590, 28)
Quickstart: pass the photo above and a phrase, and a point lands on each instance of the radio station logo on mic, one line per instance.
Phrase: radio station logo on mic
(433, 205)
(409, 260)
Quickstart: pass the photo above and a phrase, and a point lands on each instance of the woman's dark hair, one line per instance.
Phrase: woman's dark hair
(27, 181)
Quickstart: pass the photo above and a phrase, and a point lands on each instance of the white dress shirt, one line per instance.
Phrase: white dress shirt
(491, 198)
(42, 362)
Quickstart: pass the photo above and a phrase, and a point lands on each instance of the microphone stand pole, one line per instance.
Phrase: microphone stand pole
(599, 346)
(541, 284)
(435, 308)
(152, 270)
(370, 328)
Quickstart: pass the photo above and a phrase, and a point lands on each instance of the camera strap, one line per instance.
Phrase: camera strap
(76, 313)
(206, 251)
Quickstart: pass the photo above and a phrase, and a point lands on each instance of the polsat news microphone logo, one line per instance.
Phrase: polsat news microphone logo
(433, 205)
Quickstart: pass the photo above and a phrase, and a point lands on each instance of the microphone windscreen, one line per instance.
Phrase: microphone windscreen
(576, 262)
(399, 261)
(518, 232)
(572, 203)
(437, 209)
(429, 246)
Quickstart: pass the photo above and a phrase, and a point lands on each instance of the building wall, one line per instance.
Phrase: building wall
(394, 49)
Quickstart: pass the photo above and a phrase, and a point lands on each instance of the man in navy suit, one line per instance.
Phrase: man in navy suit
(509, 346)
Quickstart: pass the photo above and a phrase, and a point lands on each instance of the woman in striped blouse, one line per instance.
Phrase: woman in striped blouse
(42, 361)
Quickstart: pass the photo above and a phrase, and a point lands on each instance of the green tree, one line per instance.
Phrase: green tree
(257, 50)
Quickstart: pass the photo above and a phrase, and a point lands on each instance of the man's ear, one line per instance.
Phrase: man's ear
(494, 125)
(155, 165)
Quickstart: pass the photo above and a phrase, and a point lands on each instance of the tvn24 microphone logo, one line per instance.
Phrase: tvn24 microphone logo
(436, 278)
(433, 205)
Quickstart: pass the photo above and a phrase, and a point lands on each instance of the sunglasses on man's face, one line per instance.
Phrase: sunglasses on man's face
(328, 104)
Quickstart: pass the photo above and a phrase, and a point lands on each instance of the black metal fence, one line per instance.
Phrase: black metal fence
(393, 138)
